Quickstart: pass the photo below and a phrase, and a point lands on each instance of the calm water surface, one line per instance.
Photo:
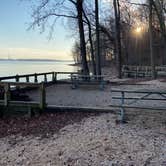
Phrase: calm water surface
(11, 67)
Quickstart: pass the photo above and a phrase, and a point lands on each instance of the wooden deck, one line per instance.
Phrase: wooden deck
(42, 96)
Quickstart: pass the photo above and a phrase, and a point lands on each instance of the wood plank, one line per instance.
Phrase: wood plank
(138, 107)
(33, 75)
(24, 103)
(139, 98)
(79, 108)
(21, 103)
(138, 91)
(30, 84)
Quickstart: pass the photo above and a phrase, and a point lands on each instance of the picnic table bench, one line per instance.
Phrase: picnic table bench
(145, 95)
(79, 79)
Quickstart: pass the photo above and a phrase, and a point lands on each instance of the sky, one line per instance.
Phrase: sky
(17, 42)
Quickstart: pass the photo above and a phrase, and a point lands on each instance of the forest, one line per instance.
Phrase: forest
(124, 32)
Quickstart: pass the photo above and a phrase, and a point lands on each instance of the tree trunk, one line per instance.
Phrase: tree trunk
(151, 39)
(118, 37)
(160, 14)
(98, 59)
(92, 50)
(91, 44)
(85, 68)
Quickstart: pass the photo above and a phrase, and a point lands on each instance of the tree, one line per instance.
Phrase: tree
(75, 50)
(79, 5)
(151, 38)
(49, 11)
(98, 61)
(91, 42)
(118, 36)
(159, 7)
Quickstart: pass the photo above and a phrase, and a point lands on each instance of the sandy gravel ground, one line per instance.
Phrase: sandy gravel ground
(94, 141)
(92, 96)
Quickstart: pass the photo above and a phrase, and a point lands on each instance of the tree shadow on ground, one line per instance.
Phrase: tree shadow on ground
(44, 125)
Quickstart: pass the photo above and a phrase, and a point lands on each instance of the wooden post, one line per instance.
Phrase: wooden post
(7, 95)
(35, 79)
(122, 109)
(52, 76)
(42, 96)
(27, 78)
(45, 77)
(55, 76)
(17, 78)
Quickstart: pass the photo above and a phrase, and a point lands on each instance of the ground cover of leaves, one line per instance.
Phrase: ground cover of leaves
(81, 139)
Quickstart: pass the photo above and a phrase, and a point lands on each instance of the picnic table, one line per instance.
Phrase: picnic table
(79, 79)
(127, 101)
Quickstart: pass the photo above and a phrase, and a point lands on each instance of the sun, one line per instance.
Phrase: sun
(138, 30)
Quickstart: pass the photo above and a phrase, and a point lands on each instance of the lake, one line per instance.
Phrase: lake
(13, 67)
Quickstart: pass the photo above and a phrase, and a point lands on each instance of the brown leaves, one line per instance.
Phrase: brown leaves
(44, 125)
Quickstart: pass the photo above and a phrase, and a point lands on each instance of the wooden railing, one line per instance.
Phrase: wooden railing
(35, 77)
(7, 87)
(142, 71)
(133, 98)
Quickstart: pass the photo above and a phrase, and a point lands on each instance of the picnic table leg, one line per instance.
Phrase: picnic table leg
(74, 83)
(122, 114)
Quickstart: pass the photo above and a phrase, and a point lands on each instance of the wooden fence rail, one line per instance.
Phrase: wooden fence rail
(7, 87)
(142, 71)
(35, 76)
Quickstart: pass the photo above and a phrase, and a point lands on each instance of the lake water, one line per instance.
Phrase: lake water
(13, 67)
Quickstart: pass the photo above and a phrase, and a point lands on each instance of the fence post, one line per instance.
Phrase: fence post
(54, 77)
(42, 96)
(7, 94)
(17, 78)
(35, 79)
(122, 108)
(27, 78)
(45, 77)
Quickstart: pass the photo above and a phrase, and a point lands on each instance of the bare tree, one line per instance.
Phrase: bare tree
(48, 12)
(98, 61)
(118, 36)
(151, 38)
(79, 5)
(91, 43)
(159, 7)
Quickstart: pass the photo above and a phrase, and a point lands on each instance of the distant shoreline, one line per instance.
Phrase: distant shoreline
(37, 60)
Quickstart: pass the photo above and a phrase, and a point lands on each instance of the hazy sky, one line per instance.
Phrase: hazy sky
(17, 42)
